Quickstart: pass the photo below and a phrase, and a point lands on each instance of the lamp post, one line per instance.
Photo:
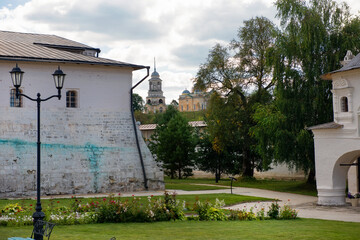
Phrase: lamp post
(59, 77)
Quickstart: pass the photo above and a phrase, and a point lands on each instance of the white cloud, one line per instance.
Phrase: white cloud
(179, 33)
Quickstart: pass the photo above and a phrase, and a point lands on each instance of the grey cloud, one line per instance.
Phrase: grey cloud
(191, 54)
(222, 21)
(117, 22)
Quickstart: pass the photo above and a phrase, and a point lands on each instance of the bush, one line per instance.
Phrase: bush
(241, 215)
(208, 212)
(273, 212)
(286, 212)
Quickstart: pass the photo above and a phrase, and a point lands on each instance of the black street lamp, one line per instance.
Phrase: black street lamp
(59, 77)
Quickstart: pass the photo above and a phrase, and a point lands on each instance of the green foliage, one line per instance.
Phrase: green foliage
(286, 212)
(173, 144)
(208, 212)
(218, 148)
(240, 84)
(137, 102)
(273, 212)
(243, 215)
(314, 38)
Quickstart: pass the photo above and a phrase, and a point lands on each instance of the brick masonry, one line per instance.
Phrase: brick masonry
(83, 151)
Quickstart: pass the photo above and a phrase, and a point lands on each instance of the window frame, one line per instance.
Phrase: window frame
(67, 104)
(14, 100)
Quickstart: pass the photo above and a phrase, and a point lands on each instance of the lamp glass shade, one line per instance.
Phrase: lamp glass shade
(16, 76)
(59, 78)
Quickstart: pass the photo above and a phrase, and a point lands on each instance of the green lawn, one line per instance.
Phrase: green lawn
(299, 187)
(191, 187)
(270, 229)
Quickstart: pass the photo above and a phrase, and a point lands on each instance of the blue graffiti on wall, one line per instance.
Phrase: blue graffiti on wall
(93, 153)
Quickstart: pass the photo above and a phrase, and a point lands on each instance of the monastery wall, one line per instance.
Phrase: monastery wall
(88, 149)
(82, 152)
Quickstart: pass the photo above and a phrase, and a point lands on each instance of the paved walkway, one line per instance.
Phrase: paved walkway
(306, 205)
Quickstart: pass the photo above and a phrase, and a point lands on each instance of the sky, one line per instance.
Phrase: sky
(177, 33)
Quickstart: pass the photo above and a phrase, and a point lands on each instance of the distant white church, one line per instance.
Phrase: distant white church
(88, 139)
(337, 144)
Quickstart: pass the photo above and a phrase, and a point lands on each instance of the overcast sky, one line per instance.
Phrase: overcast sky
(178, 33)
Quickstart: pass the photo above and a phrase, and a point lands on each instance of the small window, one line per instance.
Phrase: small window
(160, 101)
(182, 109)
(148, 101)
(344, 104)
(194, 107)
(15, 101)
(161, 109)
(71, 99)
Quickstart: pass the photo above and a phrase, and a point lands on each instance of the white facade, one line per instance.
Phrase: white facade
(339, 142)
(89, 148)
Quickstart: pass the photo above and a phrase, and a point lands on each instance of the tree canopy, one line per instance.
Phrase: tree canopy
(239, 73)
(173, 144)
(315, 36)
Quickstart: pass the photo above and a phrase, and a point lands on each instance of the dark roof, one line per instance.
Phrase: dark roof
(353, 64)
(50, 48)
(330, 125)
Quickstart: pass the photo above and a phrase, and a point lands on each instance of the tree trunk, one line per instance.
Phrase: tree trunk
(247, 169)
(311, 177)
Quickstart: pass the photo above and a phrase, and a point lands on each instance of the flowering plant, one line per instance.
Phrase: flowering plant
(356, 195)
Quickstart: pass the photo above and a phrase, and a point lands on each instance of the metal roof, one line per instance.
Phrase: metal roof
(46, 48)
(330, 125)
(353, 64)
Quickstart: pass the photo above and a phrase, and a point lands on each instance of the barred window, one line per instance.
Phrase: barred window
(71, 99)
(15, 101)
(344, 104)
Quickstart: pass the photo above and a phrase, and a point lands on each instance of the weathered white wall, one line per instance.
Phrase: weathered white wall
(338, 146)
(84, 150)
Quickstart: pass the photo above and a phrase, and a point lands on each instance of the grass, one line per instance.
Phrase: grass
(291, 186)
(191, 187)
(264, 230)
(230, 199)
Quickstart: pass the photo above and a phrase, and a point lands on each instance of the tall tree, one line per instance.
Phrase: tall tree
(314, 38)
(218, 148)
(245, 75)
(173, 144)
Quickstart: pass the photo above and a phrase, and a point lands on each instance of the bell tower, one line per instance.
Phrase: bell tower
(155, 101)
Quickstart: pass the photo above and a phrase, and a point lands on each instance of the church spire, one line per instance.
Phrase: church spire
(154, 65)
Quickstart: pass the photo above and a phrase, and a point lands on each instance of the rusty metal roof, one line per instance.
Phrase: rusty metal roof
(50, 48)
(330, 125)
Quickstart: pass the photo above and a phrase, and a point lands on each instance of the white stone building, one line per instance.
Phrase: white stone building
(337, 144)
(88, 139)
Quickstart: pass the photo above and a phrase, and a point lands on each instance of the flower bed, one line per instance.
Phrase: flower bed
(115, 210)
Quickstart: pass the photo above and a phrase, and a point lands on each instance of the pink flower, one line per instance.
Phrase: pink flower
(104, 199)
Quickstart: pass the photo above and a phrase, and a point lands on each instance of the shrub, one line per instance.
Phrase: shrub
(241, 215)
(208, 212)
(286, 212)
(273, 212)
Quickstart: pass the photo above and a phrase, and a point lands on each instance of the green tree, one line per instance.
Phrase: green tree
(137, 102)
(315, 36)
(243, 74)
(218, 149)
(173, 144)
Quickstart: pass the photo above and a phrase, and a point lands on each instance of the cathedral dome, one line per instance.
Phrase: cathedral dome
(185, 92)
(155, 74)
